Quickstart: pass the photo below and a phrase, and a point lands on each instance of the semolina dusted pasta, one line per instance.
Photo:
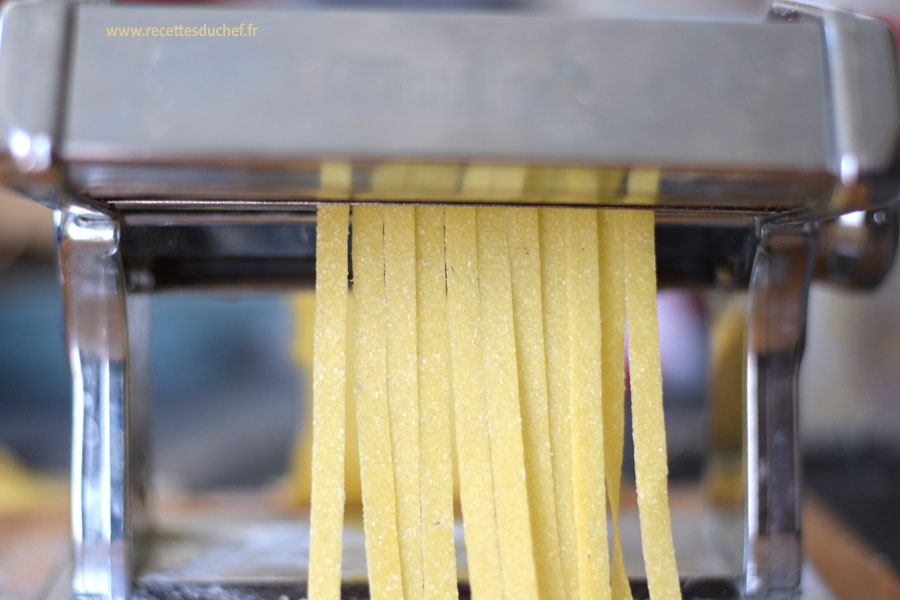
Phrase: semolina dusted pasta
(585, 408)
(372, 411)
(501, 331)
(299, 483)
(501, 390)
(329, 387)
(473, 445)
(553, 229)
(403, 387)
(435, 449)
(648, 426)
(612, 305)
(523, 233)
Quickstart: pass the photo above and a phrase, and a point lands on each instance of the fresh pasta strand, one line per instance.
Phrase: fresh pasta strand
(329, 389)
(403, 387)
(523, 232)
(372, 412)
(335, 179)
(612, 306)
(303, 308)
(556, 337)
(501, 389)
(651, 470)
(472, 437)
(586, 411)
(438, 550)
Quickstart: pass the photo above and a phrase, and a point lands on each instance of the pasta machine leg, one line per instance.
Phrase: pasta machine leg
(775, 335)
(104, 498)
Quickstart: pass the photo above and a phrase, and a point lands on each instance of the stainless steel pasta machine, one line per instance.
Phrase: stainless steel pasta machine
(175, 159)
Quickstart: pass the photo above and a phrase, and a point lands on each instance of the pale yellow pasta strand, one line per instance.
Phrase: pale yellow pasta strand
(523, 232)
(585, 408)
(612, 305)
(372, 413)
(303, 307)
(335, 179)
(439, 553)
(556, 337)
(403, 387)
(501, 389)
(329, 390)
(651, 470)
(471, 425)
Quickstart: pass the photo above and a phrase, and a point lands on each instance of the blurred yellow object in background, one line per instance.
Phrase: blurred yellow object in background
(22, 490)
(725, 469)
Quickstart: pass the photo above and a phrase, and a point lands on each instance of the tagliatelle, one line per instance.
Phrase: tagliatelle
(612, 302)
(473, 445)
(329, 387)
(523, 232)
(335, 180)
(303, 308)
(501, 330)
(553, 227)
(585, 409)
(403, 387)
(372, 413)
(435, 448)
(651, 471)
(501, 389)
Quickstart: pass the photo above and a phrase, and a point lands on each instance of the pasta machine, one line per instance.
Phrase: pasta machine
(175, 159)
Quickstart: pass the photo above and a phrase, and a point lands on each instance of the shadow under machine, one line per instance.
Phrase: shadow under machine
(177, 162)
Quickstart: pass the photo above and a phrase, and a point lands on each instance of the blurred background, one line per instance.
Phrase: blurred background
(221, 363)
(226, 395)
(229, 399)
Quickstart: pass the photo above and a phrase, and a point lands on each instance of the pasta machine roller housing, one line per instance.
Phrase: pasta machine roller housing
(768, 149)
